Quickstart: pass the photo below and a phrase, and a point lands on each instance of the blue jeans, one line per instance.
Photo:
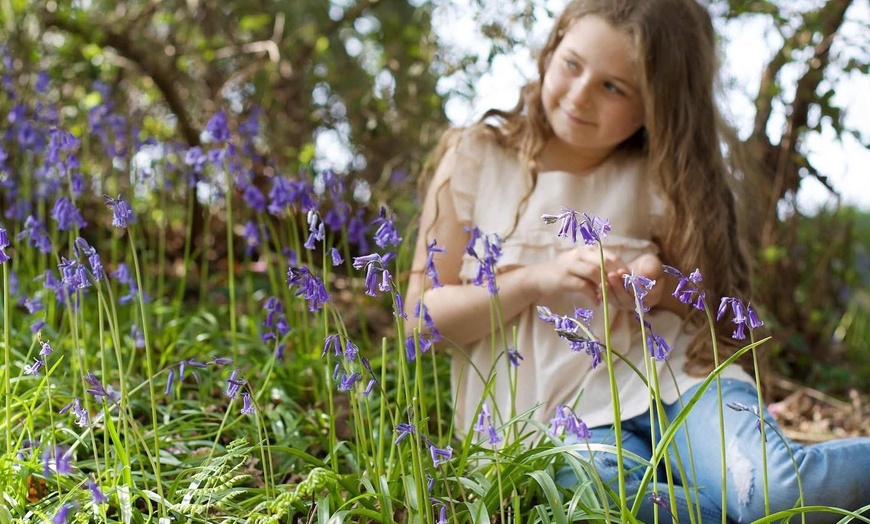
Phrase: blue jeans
(835, 473)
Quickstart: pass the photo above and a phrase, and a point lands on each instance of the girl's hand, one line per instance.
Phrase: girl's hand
(648, 266)
(576, 270)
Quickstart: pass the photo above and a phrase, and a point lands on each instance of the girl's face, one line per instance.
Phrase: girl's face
(590, 90)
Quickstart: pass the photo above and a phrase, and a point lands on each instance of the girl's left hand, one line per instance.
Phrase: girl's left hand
(648, 266)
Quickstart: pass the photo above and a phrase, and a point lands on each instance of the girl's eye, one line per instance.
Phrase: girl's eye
(613, 88)
(572, 65)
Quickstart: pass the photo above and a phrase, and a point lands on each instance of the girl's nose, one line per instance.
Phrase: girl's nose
(580, 93)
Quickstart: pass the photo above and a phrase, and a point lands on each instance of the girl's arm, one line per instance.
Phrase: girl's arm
(461, 312)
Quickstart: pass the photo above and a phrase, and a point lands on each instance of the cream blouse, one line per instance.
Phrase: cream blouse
(487, 186)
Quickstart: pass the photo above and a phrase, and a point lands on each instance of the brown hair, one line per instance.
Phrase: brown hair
(681, 140)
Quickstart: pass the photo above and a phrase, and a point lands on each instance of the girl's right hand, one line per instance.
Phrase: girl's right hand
(576, 270)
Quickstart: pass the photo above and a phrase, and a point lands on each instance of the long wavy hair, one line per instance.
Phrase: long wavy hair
(682, 141)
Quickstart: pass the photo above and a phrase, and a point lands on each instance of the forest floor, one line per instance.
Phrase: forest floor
(808, 415)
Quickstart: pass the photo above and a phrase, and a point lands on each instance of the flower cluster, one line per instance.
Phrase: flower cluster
(276, 324)
(385, 234)
(311, 287)
(688, 291)
(486, 271)
(427, 338)
(743, 316)
(4, 243)
(591, 228)
(576, 330)
(568, 421)
(349, 352)
(439, 455)
(375, 266)
(484, 425)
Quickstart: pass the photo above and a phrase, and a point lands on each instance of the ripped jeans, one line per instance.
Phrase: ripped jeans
(835, 473)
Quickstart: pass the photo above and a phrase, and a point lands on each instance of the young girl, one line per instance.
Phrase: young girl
(621, 124)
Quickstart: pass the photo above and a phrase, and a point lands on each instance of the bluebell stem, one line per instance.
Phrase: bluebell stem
(568, 421)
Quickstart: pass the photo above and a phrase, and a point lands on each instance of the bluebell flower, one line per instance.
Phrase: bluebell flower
(568, 223)
(399, 311)
(442, 514)
(639, 286)
(33, 369)
(385, 234)
(4, 243)
(218, 128)
(310, 287)
(373, 264)
(738, 406)
(45, 348)
(351, 351)
(688, 291)
(332, 341)
(440, 455)
(337, 216)
(62, 515)
(404, 429)
(431, 272)
(356, 231)
(421, 311)
(98, 390)
(281, 195)
(184, 364)
(514, 357)
(78, 410)
(67, 216)
(565, 419)
(252, 237)
(234, 384)
(122, 274)
(254, 198)
(486, 272)
(42, 82)
(195, 159)
(57, 459)
(138, 336)
(593, 229)
(743, 316)
(369, 387)
(221, 361)
(658, 348)
(247, 405)
(336, 257)
(122, 215)
(425, 342)
(484, 425)
(316, 231)
(97, 496)
(347, 381)
(35, 233)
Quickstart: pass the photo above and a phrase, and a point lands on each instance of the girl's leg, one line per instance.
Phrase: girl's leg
(835, 473)
(636, 439)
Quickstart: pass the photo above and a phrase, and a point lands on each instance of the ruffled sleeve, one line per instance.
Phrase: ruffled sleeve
(465, 158)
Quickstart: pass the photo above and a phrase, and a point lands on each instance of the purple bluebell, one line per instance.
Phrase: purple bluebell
(369, 387)
(440, 455)
(738, 406)
(442, 512)
(386, 281)
(252, 237)
(593, 229)
(33, 369)
(514, 356)
(42, 82)
(281, 195)
(337, 216)
(122, 215)
(351, 351)
(431, 272)
(193, 363)
(484, 425)
(658, 348)
(385, 234)
(35, 233)
(36, 326)
(425, 342)
(221, 361)
(399, 311)
(347, 381)
(486, 272)
(254, 198)
(316, 231)
(336, 257)
(639, 286)
(218, 128)
(195, 159)
(97, 389)
(311, 288)
(687, 290)
(78, 410)
(45, 348)
(356, 231)
(373, 265)
(332, 341)
(742, 316)
(421, 311)
(97, 496)
(247, 404)
(96, 266)
(67, 216)
(568, 223)
(122, 274)
(57, 459)
(404, 430)
(62, 515)
(4, 243)
(138, 336)
(234, 384)
(170, 380)
(565, 419)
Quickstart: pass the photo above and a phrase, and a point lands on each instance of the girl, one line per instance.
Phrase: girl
(621, 124)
